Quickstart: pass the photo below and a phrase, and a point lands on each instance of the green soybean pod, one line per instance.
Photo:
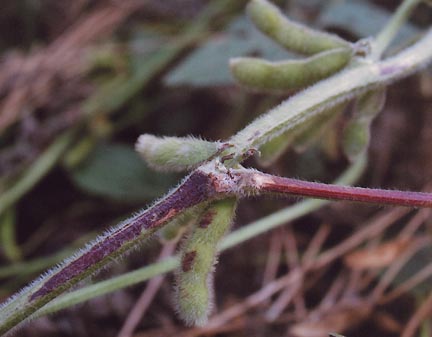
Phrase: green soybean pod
(300, 137)
(291, 35)
(356, 138)
(262, 75)
(175, 153)
(194, 286)
(356, 135)
(368, 105)
(274, 149)
(317, 126)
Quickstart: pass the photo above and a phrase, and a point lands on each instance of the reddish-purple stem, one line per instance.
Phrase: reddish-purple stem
(195, 189)
(273, 184)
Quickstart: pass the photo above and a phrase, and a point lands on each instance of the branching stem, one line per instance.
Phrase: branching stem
(200, 186)
(325, 94)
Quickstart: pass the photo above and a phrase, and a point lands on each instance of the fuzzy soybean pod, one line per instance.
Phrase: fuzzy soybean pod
(175, 154)
(317, 126)
(356, 135)
(262, 75)
(271, 151)
(301, 137)
(194, 286)
(291, 35)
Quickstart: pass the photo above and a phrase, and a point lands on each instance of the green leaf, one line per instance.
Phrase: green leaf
(208, 65)
(116, 171)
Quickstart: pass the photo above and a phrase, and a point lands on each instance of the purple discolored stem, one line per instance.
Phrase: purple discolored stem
(195, 189)
(192, 192)
(200, 186)
(263, 183)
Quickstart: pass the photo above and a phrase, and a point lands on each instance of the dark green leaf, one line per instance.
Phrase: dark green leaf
(116, 171)
(208, 65)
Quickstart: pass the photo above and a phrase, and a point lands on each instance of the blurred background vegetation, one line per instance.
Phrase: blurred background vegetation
(81, 80)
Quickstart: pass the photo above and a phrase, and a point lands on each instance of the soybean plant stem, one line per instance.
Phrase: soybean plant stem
(271, 184)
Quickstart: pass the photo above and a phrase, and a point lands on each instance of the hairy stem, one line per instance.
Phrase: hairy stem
(195, 189)
(268, 184)
(233, 239)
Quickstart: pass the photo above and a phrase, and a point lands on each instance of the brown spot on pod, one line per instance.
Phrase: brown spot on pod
(188, 260)
(227, 157)
(206, 219)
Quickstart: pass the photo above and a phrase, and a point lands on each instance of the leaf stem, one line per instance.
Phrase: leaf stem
(387, 34)
(268, 184)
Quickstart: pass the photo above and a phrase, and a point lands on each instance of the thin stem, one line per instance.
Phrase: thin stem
(36, 172)
(272, 184)
(390, 30)
(146, 298)
(420, 315)
(424, 274)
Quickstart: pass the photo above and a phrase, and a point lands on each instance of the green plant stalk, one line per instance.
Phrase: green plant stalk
(390, 30)
(8, 238)
(339, 88)
(39, 264)
(108, 286)
(233, 239)
(36, 172)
